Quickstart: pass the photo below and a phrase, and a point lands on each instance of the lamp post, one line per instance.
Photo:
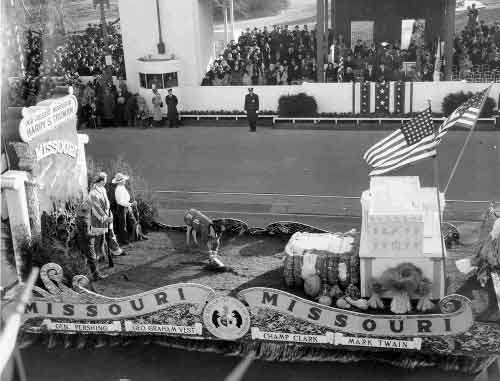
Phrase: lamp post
(161, 44)
(321, 38)
(449, 22)
(231, 19)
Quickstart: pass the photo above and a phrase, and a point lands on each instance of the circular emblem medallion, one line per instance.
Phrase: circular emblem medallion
(226, 318)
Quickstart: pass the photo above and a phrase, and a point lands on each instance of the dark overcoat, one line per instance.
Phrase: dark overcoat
(171, 102)
(252, 106)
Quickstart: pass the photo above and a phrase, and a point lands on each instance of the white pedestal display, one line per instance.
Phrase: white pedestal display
(400, 223)
(14, 190)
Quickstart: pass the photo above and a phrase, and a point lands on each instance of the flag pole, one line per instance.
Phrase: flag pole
(455, 166)
(436, 184)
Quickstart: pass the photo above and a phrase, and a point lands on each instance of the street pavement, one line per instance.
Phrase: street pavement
(315, 177)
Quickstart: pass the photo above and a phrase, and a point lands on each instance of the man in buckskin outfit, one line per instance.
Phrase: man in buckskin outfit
(252, 109)
(101, 223)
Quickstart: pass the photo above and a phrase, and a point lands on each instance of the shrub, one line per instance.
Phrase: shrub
(454, 100)
(63, 241)
(300, 105)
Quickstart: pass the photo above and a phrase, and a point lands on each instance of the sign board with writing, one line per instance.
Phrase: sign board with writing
(341, 339)
(51, 150)
(395, 236)
(257, 334)
(131, 326)
(446, 323)
(81, 327)
(362, 30)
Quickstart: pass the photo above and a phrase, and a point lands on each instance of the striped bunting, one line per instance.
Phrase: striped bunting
(467, 114)
(340, 70)
(382, 90)
(412, 142)
(365, 97)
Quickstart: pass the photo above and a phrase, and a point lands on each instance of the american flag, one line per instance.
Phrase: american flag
(467, 114)
(412, 142)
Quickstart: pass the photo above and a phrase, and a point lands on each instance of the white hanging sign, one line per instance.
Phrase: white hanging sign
(131, 326)
(82, 327)
(292, 337)
(373, 342)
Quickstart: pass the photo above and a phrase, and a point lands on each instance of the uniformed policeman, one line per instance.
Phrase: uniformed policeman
(252, 109)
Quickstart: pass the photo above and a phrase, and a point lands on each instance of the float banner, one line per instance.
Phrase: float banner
(46, 116)
(52, 151)
(292, 337)
(196, 329)
(340, 339)
(456, 318)
(128, 307)
(81, 327)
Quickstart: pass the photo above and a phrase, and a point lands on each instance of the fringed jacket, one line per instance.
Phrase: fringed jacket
(99, 210)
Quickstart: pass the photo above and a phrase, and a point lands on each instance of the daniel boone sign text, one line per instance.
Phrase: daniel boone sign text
(360, 323)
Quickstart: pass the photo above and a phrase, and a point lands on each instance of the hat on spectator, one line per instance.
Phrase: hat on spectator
(119, 178)
(100, 176)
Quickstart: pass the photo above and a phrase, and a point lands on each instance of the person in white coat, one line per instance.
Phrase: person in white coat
(126, 222)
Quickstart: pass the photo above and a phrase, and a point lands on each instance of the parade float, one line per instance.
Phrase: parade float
(387, 290)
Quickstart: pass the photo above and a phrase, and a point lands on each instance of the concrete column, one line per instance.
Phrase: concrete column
(449, 22)
(14, 191)
(232, 36)
(226, 30)
(82, 161)
(320, 40)
(26, 163)
(333, 15)
(32, 189)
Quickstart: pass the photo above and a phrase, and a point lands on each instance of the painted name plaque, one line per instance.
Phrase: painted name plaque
(81, 327)
(52, 151)
(128, 307)
(456, 317)
(415, 344)
(131, 326)
(46, 116)
(328, 338)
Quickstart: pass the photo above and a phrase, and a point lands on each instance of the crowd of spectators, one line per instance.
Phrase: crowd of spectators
(41, 53)
(34, 58)
(286, 56)
(281, 56)
(477, 45)
(101, 103)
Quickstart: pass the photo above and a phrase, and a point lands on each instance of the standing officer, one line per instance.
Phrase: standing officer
(171, 102)
(252, 109)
